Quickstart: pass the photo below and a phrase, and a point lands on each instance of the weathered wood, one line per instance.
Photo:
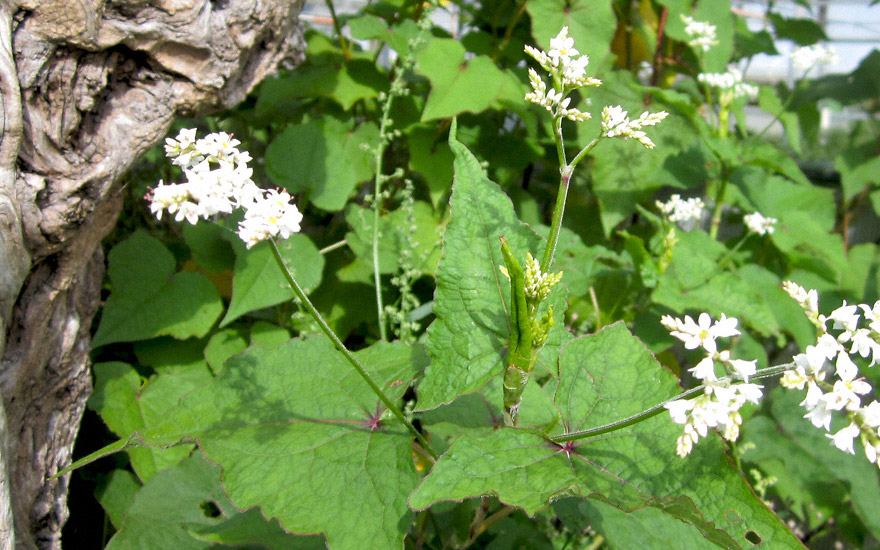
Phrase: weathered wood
(86, 86)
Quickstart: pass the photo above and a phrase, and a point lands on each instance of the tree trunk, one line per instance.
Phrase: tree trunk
(86, 87)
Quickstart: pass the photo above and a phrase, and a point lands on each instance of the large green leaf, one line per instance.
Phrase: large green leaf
(603, 378)
(259, 282)
(300, 434)
(126, 406)
(591, 23)
(458, 85)
(184, 508)
(468, 340)
(148, 299)
(325, 158)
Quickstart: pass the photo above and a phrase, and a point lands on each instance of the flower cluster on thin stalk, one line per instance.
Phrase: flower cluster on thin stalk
(387, 133)
(722, 398)
(830, 373)
(398, 315)
(807, 57)
(218, 181)
(760, 224)
(701, 35)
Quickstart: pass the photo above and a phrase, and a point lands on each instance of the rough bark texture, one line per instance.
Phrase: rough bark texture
(86, 86)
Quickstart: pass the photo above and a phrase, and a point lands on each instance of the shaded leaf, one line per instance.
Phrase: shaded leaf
(148, 299)
(259, 282)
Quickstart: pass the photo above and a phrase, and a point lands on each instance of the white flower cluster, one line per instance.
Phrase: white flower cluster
(701, 34)
(568, 71)
(615, 123)
(759, 224)
(830, 354)
(806, 57)
(677, 210)
(730, 85)
(218, 180)
(721, 401)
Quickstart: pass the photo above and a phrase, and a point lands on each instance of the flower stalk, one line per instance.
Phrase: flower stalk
(325, 328)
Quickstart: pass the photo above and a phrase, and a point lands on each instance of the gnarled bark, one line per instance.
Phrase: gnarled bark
(86, 86)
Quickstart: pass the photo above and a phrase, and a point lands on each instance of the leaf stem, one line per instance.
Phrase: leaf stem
(346, 353)
(660, 407)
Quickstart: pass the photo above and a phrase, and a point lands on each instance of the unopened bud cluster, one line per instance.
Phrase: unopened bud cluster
(537, 287)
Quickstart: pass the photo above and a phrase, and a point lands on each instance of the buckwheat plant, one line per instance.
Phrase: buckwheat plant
(268, 214)
(565, 68)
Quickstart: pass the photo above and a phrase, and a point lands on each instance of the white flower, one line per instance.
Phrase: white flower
(729, 85)
(872, 315)
(704, 370)
(871, 450)
(806, 57)
(615, 123)
(679, 409)
(744, 368)
(718, 407)
(562, 48)
(847, 390)
(845, 317)
(677, 210)
(871, 414)
(843, 439)
(702, 34)
(820, 413)
(270, 216)
(760, 224)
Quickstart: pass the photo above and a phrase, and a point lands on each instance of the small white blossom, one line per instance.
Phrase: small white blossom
(703, 334)
(845, 317)
(759, 224)
(701, 34)
(843, 439)
(807, 57)
(871, 414)
(730, 85)
(615, 123)
(820, 414)
(677, 210)
(718, 407)
(269, 216)
(562, 48)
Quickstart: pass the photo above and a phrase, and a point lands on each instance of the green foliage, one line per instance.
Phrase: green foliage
(243, 426)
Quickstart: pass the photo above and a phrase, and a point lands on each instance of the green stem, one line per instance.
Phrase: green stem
(377, 206)
(347, 354)
(567, 171)
(343, 44)
(719, 205)
(659, 408)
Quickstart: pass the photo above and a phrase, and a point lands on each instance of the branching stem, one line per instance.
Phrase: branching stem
(659, 408)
